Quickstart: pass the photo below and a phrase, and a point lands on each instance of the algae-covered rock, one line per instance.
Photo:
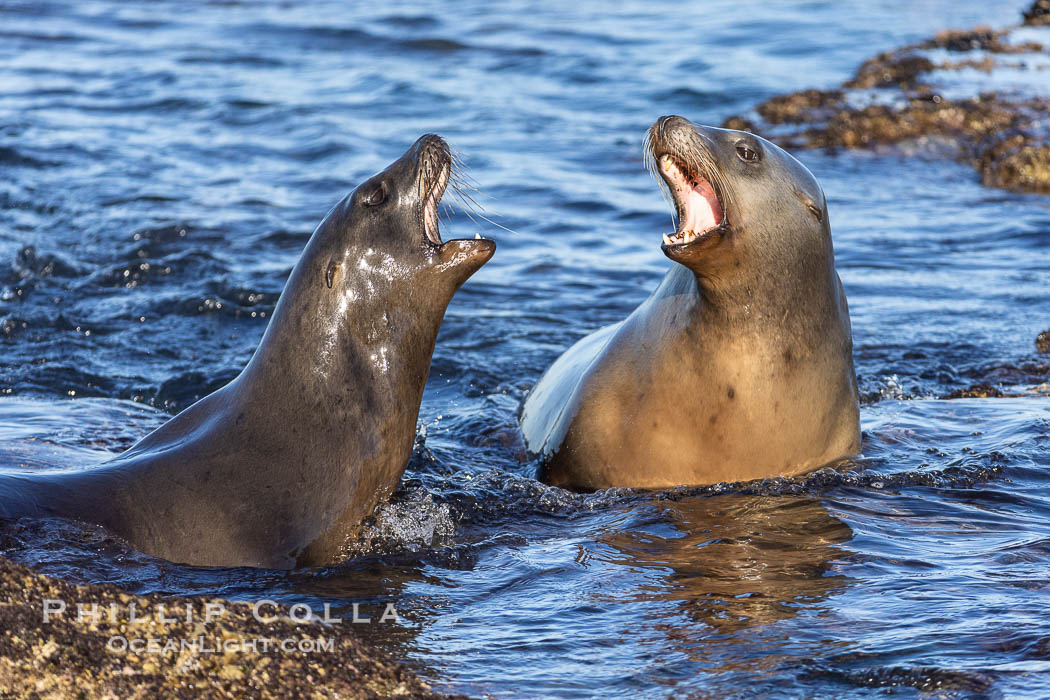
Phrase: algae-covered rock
(924, 97)
(1042, 341)
(1038, 14)
(119, 645)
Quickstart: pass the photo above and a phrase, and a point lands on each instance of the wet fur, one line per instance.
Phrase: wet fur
(279, 467)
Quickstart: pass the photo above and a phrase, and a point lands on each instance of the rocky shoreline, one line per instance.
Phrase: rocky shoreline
(132, 646)
(968, 95)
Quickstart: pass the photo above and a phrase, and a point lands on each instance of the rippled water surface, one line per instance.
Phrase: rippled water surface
(164, 163)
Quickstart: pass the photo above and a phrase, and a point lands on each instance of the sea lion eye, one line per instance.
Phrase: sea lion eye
(375, 197)
(747, 154)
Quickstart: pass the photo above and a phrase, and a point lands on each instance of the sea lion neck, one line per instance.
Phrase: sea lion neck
(761, 296)
(372, 335)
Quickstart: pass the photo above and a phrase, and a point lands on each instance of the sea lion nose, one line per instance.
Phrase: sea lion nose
(667, 125)
(429, 143)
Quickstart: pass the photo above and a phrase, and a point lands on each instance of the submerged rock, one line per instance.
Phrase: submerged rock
(197, 654)
(921, 98)
(978, 391)
(1042, 341)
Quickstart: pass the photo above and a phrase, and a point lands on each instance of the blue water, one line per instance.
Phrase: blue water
(164, 163)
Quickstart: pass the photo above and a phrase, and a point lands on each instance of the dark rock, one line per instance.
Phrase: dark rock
(1017, 164)
(740, 124)
(1038, 14)
(977, 39)
(891, 69)
(1003, 136)
(977, 391)
(1042, 341)
(801, 107)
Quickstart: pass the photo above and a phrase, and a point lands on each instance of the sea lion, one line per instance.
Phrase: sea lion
(279, 467)
(739, 366)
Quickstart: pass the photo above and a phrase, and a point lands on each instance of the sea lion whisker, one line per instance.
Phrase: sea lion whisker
(464, 188)
(649, 159)
(462, 200)
(470, 216)
(467, 208)
(497, 225)
(463, 182)
(459, 195)
(472, 191)
(462, 173)
(488, 220)
(467, 192)
(446, 212)
(458, 160)
(464, 197)
(434, 182)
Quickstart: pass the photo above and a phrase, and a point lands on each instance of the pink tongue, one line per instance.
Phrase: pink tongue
(702, 211)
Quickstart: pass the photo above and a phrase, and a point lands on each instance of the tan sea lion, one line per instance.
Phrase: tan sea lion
(739, 366)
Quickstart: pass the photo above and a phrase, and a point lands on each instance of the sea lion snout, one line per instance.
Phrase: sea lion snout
(466, 255)
(725, 187)
(666, 125)
(395, 215)
(435, 172)
(689, 165)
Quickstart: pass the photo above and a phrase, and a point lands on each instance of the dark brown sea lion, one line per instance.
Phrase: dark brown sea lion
(280, 466)
(739, 366)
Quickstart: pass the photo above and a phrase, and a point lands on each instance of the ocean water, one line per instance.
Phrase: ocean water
(164, 163)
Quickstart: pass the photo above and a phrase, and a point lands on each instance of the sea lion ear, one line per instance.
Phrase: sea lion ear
(334, 270)
(464, 256)
(817, 212)
(814, 204)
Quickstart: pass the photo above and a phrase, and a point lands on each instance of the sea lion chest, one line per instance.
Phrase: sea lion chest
(697, 400)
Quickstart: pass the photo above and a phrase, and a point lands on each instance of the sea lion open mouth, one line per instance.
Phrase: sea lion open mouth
(698, 207)
(435, 168)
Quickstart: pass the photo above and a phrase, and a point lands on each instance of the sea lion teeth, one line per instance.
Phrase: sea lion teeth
(477, 236)
(667, 240)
